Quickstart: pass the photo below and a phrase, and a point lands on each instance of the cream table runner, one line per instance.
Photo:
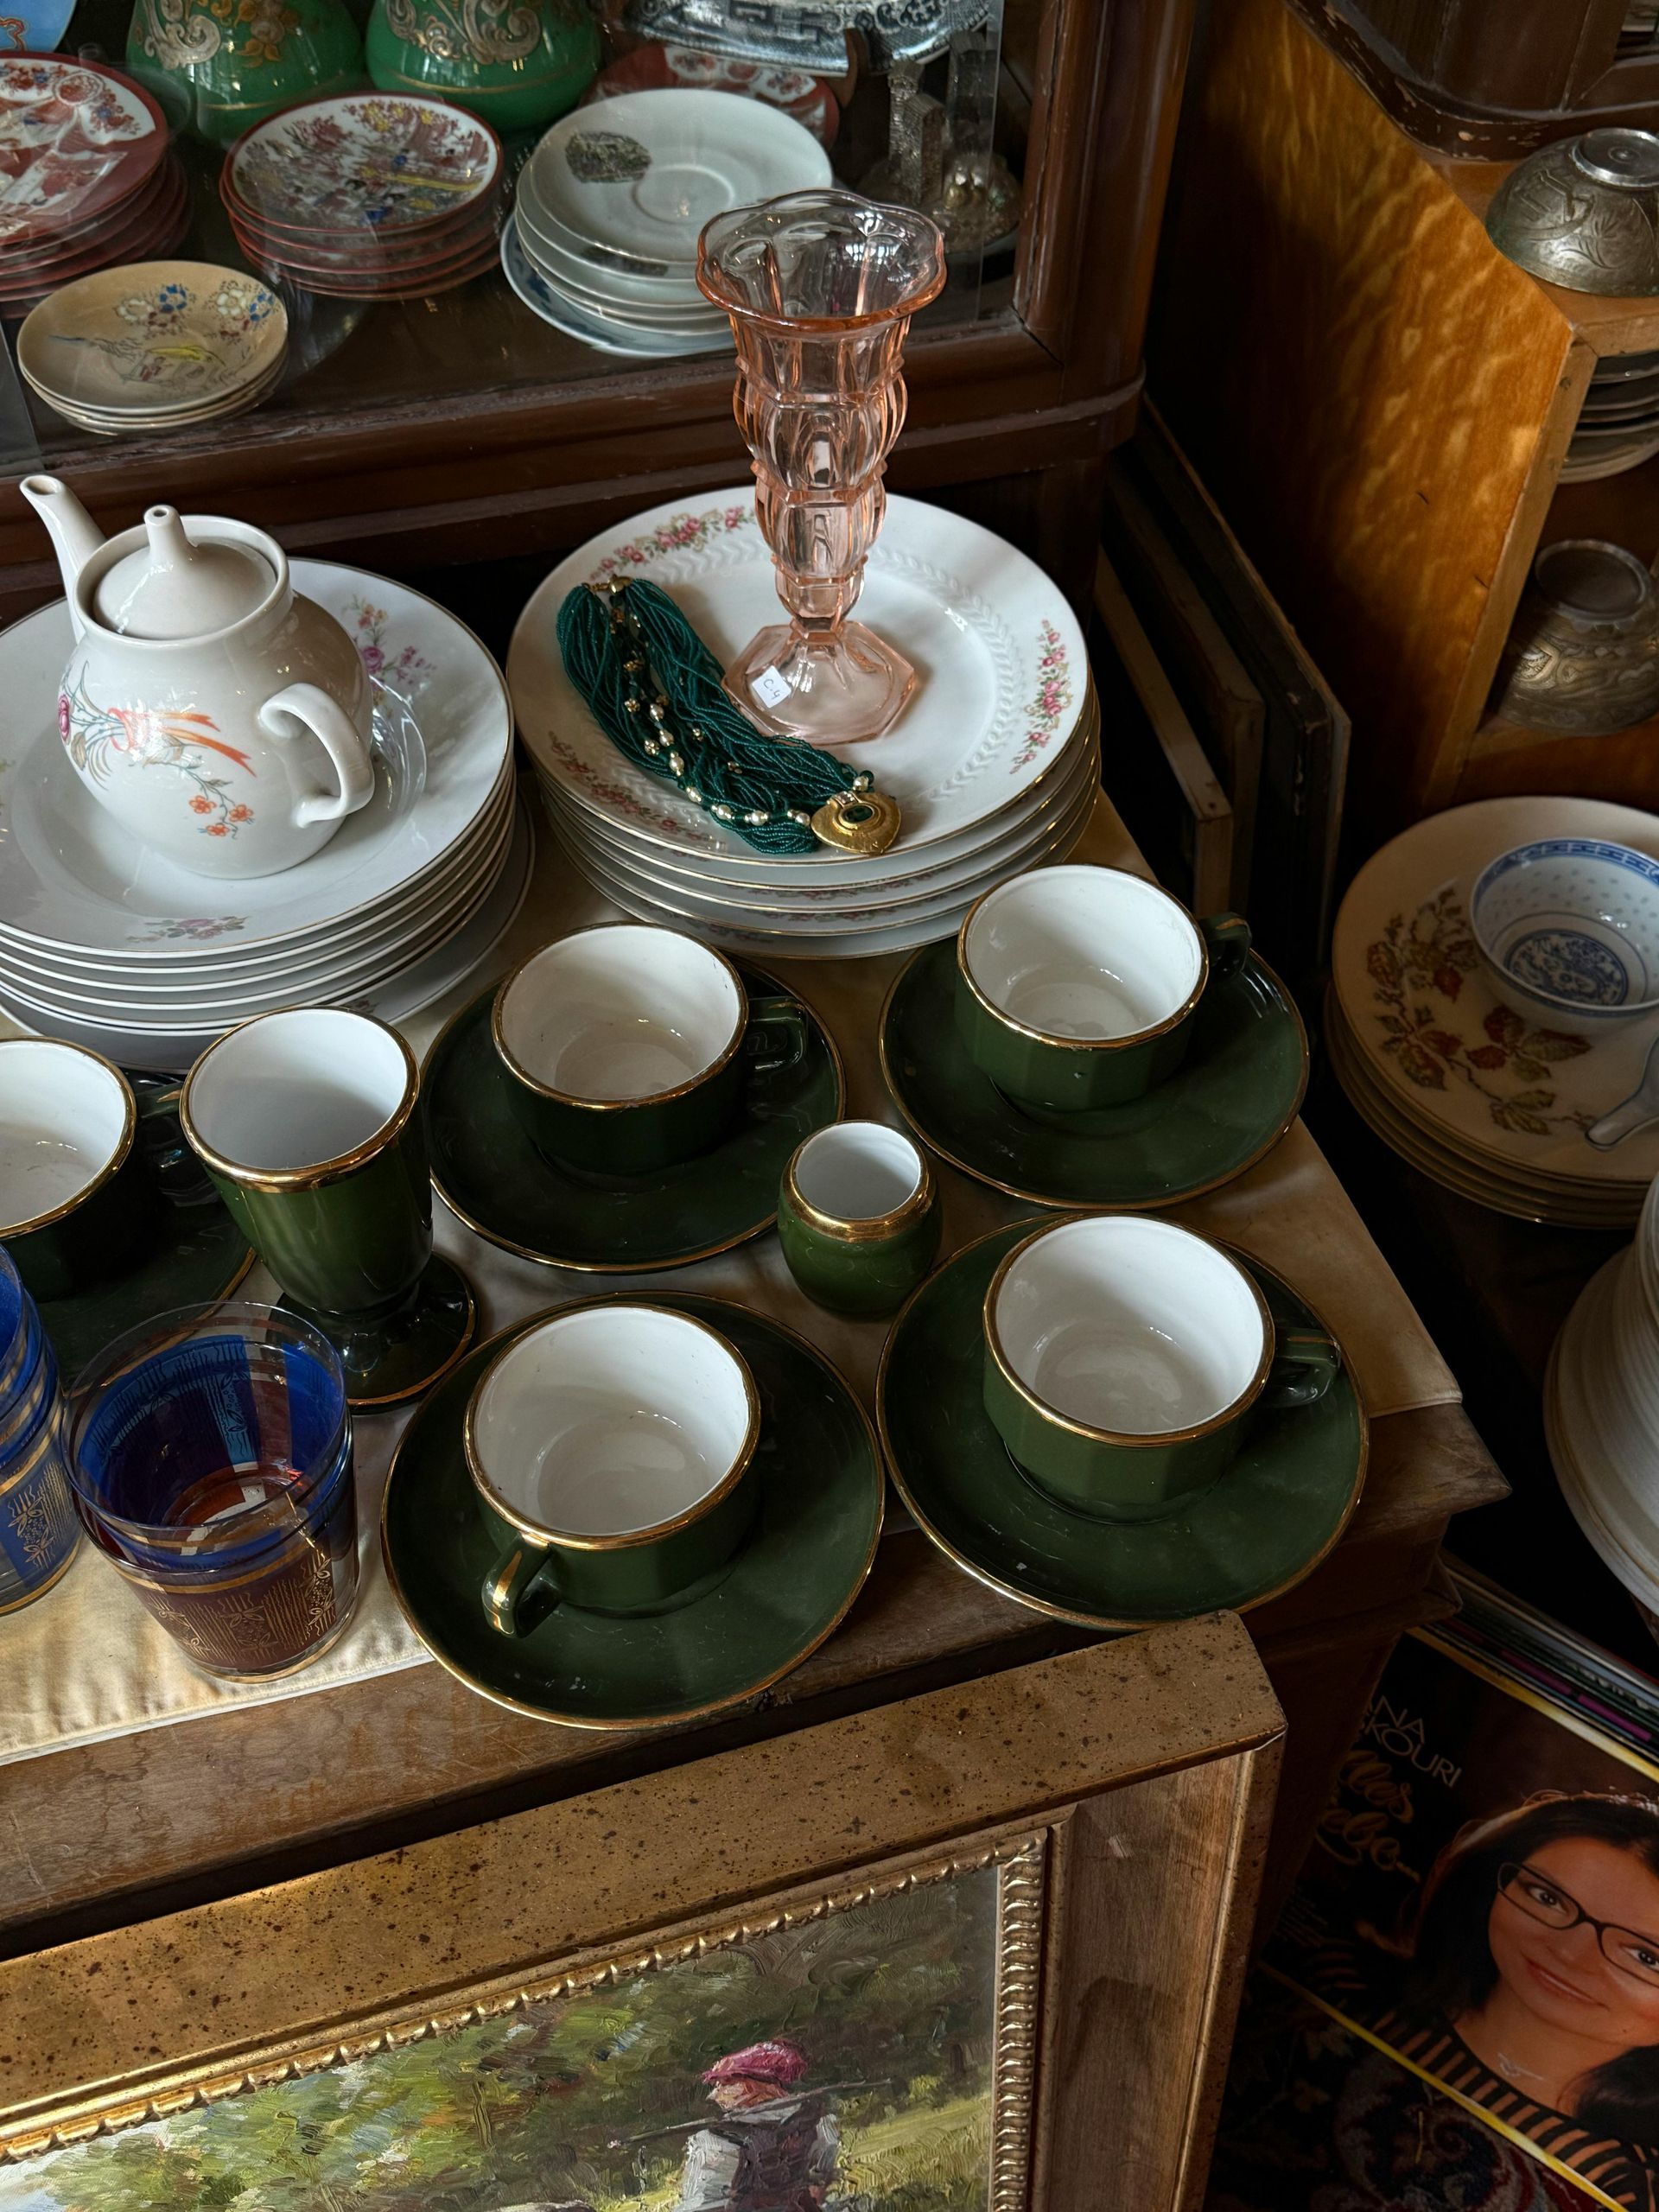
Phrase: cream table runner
(88, 1662)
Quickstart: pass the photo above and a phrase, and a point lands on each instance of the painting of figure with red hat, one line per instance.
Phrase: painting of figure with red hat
(842, 2058)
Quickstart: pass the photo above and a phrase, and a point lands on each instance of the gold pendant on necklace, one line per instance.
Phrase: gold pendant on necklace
(857, 822)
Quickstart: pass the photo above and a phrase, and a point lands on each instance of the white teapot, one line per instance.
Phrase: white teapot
(220, 717)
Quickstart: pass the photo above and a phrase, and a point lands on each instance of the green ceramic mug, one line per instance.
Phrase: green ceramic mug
(1124, 1356)
(626, 1046)
(309, 1122)
(77, 1201)
(858, 1216)
(1077, 986)
(617, 1440)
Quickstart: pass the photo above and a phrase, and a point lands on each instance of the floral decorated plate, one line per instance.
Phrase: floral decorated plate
(360, 163)
(69, 877)
(1000, 658)
(633, 179)
(1455, 1061)
(152, 338)
(76, 139)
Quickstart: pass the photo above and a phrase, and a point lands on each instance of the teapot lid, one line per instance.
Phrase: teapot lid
(179, 587)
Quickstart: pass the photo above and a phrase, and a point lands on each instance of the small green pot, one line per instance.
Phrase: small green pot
(218, 67)
(1031, 941)
(72, 1104)
(858, 1217)
(549, 1438)
(1109, 1296)
(608, 993)
(517, 64)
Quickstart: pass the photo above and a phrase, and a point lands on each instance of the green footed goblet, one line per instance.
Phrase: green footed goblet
(519, 64)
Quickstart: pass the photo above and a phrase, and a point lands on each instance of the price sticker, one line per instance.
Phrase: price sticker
(770, 688)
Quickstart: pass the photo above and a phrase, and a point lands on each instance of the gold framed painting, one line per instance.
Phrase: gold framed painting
(861, 1968)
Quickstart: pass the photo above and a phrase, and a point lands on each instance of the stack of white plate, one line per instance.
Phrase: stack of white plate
(104, 943)
(1484, 1103)
(1601, 1414)
(994, 762)
(603, 239)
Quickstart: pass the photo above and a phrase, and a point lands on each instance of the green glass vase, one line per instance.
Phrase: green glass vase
(218, 67)
(518, 64)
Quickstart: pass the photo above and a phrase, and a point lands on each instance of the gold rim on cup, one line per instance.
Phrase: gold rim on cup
(316, 1172)
(864, 1229)
(111, 1166)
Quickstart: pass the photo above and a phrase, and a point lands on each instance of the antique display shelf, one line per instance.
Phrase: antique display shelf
(461, 428)
(1382, 403)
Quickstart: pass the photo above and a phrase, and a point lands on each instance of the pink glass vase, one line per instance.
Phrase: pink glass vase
(820, 287)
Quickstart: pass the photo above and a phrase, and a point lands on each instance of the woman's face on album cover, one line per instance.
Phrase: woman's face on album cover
(1605, 1985)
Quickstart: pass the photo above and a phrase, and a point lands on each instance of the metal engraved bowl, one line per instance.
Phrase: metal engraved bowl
(1583, 655)
(1583, 214)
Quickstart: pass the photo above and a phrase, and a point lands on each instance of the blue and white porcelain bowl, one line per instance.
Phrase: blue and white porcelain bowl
(1567, 931)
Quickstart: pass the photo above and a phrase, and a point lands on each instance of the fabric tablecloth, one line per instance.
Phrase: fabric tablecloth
(88, 1662)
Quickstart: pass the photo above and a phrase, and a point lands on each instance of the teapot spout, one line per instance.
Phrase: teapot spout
(75, 535)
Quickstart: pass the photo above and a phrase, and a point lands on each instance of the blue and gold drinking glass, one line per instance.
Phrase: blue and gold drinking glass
(211, 1455)
(38, 1528)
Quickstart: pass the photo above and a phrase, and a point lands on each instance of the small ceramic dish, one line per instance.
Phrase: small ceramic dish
(1567, 931)
(142, 339)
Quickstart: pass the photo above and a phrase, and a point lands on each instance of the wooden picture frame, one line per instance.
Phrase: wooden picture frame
(1084, 1836)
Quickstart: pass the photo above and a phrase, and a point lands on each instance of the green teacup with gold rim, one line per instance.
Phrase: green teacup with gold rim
(858, 1216)
(77, 1202)
(626, 1046)
(1077, 986)
(617, 1439)
(1124, 1356)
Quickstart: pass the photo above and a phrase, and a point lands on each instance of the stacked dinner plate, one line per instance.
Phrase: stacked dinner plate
(368, 195)
(1618, 423)
(155, 346)
(105, 944)
(1501, 1111)
(88, 177)
(995, 763)
(603, 240)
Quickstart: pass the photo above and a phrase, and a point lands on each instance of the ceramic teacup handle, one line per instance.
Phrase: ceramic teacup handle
(337, 734)
(775, 1036)
(1227, 941)
(1305, 1365)
(519, 1590)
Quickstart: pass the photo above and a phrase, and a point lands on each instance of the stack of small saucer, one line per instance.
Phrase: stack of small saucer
(603, 240)
(994, 762)
(368, 195)
(89, 179)
(154, 347)
(1519, 1113)
(1618, 423)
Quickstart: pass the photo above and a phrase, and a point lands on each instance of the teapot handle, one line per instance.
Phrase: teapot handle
(337, 734)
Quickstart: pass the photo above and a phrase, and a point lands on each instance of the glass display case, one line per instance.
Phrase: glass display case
(420, 276)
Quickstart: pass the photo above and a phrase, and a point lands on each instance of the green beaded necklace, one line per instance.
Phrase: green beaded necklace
(654, 689)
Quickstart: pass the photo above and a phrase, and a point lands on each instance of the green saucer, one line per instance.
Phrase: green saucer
(1238, 1091)
(488, 1173)
(793, 1582)
(1271, 1519)
(388, 1361)
(198, 1254)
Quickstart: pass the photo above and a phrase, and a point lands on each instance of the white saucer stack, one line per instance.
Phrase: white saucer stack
(1601, 1414)
(994, 762)
(104, 943)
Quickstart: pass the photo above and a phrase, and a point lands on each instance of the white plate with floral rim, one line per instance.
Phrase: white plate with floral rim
(157, 336)
(1455, 1059)
(845, 933)
(834, 907)
(636, 177)
(395, 998)
(998, 656)
(70, 877)
(377, 164)
(76, 140)
(322, 972)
